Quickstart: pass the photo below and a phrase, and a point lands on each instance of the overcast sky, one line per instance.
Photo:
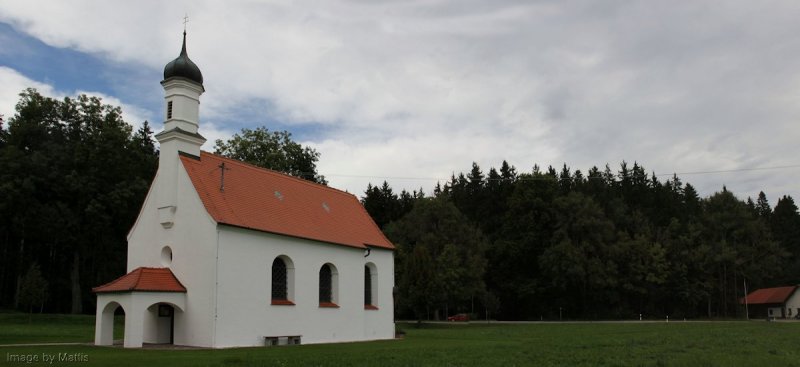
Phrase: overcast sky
(412, 91)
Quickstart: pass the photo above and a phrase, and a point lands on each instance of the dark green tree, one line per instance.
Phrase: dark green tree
(419, 287)
(384, 205)
(583, 260)
(643, 268)
(273, 150)
(33, 289)
(526, 231)
(742, 246)
(565, 180)
(475, 195)
(72, 180)
(690, 280)
(3, 133)
(785, 226)
(435, 234)
(762, 206)
(406, 201)
(691, 201)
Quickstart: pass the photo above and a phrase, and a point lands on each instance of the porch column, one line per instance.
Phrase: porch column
(103, 327)
(134, 327)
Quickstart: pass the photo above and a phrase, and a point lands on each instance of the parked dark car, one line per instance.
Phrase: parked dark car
(459, 317)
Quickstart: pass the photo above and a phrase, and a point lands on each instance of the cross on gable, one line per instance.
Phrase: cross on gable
(222, 169)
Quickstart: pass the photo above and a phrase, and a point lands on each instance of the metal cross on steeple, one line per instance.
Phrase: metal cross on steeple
(185, 20)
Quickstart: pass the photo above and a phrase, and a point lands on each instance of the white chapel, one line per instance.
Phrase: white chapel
(226, 254)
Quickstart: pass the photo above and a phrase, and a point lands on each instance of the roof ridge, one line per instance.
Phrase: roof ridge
(196, 161)
(175, 277)
(779, 287)
(117, 280)
(277, 173)
(132, 281)
(138, 274)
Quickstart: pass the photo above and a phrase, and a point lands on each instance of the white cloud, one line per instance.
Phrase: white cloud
(419, 89)
(12, 84)
(212, 131)
(415, 162)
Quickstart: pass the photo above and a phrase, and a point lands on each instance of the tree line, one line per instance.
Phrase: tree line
(536, 245)
(551, 244)
(73, 176)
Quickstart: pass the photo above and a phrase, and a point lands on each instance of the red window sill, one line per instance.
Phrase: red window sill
(370, 307)
(282, 302)
(328, 305)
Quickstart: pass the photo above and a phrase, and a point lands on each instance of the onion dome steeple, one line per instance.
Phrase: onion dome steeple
(183, 67)
(183, 86)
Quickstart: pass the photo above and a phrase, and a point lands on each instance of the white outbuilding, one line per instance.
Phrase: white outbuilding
(226, 254)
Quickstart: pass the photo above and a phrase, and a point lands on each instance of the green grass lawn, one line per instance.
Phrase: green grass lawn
(755, 343)
(21, 328)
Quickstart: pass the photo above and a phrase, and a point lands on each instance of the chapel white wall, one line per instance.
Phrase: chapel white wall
(245, 314)
(192, 239)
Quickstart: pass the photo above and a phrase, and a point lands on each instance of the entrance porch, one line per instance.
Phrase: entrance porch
(153, 302)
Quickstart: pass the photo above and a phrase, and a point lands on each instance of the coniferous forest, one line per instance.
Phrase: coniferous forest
(544, 244)
(560, 244)
(73, 176)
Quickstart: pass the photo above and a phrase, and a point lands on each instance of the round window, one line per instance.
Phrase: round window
(166, 256)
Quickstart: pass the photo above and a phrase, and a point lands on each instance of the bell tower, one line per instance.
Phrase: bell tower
(183, 85)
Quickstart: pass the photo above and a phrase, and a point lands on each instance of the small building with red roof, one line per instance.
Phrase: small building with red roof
(773, 303)
(226, 254)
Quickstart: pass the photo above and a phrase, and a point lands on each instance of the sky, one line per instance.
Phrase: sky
(411, 92)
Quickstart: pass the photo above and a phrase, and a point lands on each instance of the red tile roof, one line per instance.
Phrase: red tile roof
(144, 280)
(769, 295)
(269, 201)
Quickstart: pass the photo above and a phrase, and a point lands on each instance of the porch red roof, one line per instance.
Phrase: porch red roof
(270, 201)
(769, 295)
(144, 280)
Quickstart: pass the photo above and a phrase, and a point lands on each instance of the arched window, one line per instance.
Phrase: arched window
(328, 278)
(367, 286)
(325, 286)
(370, 287)
(166, 256)
(282, 279)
